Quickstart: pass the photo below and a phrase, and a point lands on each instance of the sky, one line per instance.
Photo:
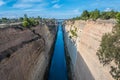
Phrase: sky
(60, 9)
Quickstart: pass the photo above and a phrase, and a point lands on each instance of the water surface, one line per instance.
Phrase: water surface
(58, 69)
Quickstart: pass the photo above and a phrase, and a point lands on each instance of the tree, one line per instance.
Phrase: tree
(4, 20)
(25, 17)
(32, 21)
(21, 19)
(29, 22)
(108, 15)
(26, 22)
(39, 18)
(112, 14)
(85, 15)
(118, 17)
(105, 15)
(95, 14)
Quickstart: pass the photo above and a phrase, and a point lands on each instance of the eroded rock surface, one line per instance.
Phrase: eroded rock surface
(25, 53)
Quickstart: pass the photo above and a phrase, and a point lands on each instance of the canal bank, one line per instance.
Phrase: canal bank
(58, 69)
(25, 47)
(82, 39)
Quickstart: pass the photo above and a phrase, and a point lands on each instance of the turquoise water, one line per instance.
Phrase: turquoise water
(58, 69)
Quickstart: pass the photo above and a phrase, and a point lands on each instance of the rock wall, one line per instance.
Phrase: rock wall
(82, 48)
(25, 53)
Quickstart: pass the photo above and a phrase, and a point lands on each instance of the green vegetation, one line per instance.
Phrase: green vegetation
(118, 17)
(26, 24)
(96, 14)
(73, 32)
(7, 20)
(85, 15)
(109, 50)
(108, 15)
(29, 22)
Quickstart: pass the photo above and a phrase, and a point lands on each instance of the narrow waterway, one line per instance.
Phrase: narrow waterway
(58, 69)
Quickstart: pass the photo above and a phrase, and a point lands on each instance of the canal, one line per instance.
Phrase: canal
(58, 69)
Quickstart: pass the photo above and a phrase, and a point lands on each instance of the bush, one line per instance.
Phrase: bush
(29, 22)
(105, 52)
(109, 50)
(73, 32)
(118, 17)
(26, 24)
(95, 14)
(85, 15)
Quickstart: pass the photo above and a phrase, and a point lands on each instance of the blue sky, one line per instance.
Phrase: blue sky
(54, 8)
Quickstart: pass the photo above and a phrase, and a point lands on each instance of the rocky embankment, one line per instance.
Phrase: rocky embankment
(82, 40)
(25, 53)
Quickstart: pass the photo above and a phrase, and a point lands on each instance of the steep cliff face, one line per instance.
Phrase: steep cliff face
(83, 46)
(25, 53)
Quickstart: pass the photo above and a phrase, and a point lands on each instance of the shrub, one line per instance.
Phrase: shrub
(118, 17)
(95, 14)
(29, 22)
(73, 32)
(109, 50)
(85, 15)
(26, 24)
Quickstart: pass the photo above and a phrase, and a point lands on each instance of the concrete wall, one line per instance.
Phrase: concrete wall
(25, 53)
(82, 49)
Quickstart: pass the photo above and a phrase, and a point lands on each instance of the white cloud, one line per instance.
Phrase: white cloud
(57, 6)
(64, 15)
(22, 5)
(55, 1)
(34, 10)
(108, 9)
(2, 2)
(24, 1)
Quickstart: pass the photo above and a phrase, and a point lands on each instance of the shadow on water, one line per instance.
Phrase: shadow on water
(58, 69)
